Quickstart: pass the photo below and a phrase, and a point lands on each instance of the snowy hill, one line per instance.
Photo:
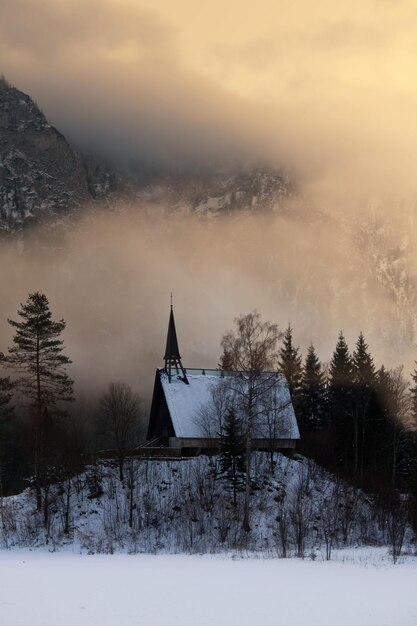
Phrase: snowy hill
(183, 506)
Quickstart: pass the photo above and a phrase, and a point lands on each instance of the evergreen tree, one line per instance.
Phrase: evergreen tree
(232, 459)
(290, 365)
(340, 397)
(6, 411)
(412, 485)
(363, 404)
(313, 393)
(36, 356)
(396, 435)
(379, 462)
(413, 394)
(6, 392)
(363, 365)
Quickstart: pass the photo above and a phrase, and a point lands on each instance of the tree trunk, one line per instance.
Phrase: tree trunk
(38, 432)
(234, 475)
(46, 507)
(246, 509)
(394, 458)
(121, 463)
(356, 438)
(67, 509)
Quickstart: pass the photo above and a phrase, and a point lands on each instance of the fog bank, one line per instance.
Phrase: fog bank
(110, 276)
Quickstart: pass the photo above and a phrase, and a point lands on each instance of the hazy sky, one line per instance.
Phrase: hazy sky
(110, 278)
(325, 87)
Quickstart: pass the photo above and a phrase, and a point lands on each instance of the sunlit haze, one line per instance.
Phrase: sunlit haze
(325, 91)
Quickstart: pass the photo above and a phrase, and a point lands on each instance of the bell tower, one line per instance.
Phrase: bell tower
(172, 356)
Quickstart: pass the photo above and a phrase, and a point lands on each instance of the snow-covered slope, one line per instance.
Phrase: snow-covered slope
(183, 506)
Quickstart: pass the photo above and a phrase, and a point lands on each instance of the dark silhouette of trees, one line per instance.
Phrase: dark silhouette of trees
(6, 394)
(413, 396)
(363, 404)
(290, 365)
(6, 412)
(42, 380)
(232, 459)
(119, 419)
(313, 393)
(340, 402)
(313, 409)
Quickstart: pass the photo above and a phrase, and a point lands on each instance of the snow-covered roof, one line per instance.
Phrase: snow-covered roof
(187, 405)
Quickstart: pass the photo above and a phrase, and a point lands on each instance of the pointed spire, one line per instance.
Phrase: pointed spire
(172, 350)
(172, 356)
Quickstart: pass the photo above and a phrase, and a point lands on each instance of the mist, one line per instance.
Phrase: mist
(110, 276)
(324, 90)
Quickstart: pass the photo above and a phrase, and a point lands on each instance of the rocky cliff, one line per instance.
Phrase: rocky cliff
(40, 174)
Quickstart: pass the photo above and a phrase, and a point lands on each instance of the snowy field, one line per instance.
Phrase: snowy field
(44, 589)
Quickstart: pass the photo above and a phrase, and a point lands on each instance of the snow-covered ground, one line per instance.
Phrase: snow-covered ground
(185, 507)
(44, 589)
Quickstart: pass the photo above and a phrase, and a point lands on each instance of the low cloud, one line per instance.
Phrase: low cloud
(325, 90)
(113, 274)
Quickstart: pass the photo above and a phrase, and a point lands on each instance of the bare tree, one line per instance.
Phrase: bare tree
(283, 523)
(250, 352)
(300, 517)
(274, 413)
(119, 418)
(211, 415)
(397, 519)
(330, 516)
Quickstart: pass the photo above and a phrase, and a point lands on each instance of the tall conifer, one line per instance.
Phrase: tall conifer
(364, 409)
(413, 393)
(340, 397)
(232, 459)
(37, 357)
(290, 365)
(313, 392)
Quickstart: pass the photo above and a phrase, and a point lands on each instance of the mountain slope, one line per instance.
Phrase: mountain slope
(40, 174)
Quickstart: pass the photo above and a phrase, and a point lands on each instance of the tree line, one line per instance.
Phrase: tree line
(355, 420)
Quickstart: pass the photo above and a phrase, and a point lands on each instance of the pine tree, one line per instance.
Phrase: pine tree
(290, 365)
(6, 412)
(363, 365)
(413, 393)
(363, 403)
(340, 397)
(393, 436)
(412, 486)
(6, 392)
(313, 393)
(43, 382)
(232, 459)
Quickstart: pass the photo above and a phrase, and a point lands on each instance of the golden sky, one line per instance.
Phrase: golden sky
(327, 88)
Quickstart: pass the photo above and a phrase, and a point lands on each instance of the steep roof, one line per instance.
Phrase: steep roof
(187, 404)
